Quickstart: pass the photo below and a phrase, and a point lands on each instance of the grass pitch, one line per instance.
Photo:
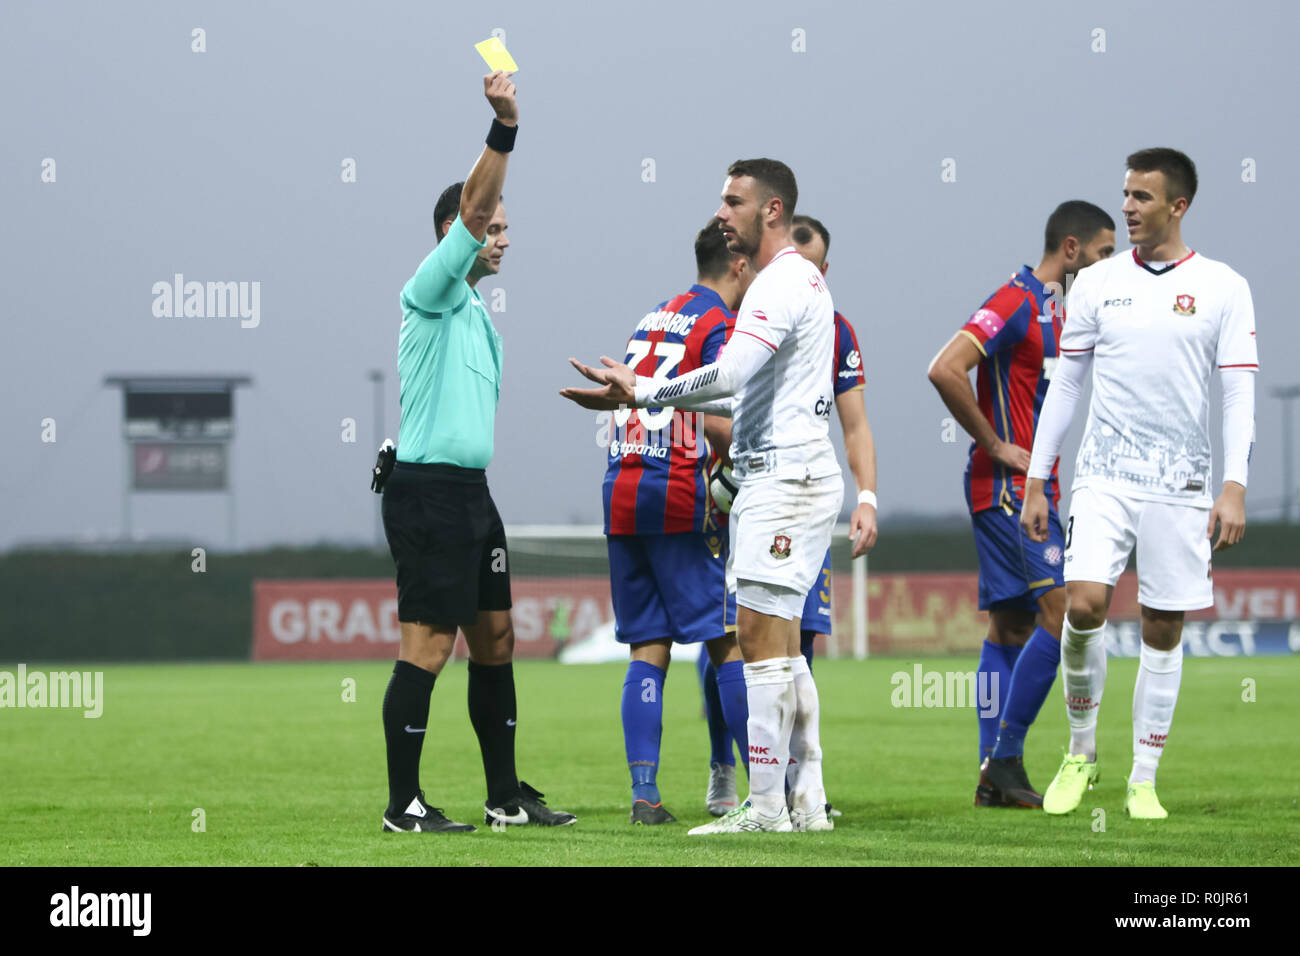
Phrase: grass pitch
(286, 772)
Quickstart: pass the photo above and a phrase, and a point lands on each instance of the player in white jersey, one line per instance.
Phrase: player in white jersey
(1152, 324)
(775, 365)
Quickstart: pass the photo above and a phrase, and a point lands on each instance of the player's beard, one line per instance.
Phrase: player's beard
(747, 243)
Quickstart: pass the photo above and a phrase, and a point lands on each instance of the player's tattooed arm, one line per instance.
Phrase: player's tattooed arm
(950, 375)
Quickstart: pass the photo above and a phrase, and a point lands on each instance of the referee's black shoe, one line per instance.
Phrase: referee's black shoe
(419, 817)
(528, 808)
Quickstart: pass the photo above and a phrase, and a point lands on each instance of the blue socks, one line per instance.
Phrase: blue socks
(735, 705)
(999, 660)
(719, 741)
(1031, 680)
(643, 726)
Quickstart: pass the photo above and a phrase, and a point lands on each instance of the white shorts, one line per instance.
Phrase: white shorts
(1173, 551)
(780, 530)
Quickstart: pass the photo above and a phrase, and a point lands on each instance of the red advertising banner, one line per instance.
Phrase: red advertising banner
(349, 619)
(922, 613)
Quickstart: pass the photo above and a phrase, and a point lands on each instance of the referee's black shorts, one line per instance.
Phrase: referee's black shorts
(449, 543)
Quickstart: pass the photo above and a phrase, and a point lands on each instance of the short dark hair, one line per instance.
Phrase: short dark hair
(774, 178)
(805, 226)
(448, 207)
(1075, 218)
(1178, 169)
(712, 257)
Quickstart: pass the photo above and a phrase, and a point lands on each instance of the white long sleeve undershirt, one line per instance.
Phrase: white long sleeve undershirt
(1058, 411)
(1238, 422)
(707, 389)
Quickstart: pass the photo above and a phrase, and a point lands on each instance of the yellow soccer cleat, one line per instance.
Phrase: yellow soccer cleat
(1142, 802)
(1075, 777)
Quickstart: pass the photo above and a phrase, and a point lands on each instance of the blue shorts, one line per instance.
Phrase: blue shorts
(817, 607)
(1015, 571)
(669, 585)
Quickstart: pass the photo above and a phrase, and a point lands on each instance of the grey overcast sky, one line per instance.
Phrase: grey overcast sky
(225, 165)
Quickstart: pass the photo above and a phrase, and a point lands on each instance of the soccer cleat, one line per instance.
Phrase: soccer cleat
(419, 817)
(745, 819)
(832, 812)
(721, 795)
(528, 808)
(1075, 777)
(986, 795)
(645, 813)
(1142, 802)
(1008, 779)
(816, 819)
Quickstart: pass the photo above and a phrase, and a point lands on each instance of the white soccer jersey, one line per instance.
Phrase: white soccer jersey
(781, 416)
(1156, 336)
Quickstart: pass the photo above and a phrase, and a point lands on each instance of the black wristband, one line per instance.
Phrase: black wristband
(501, 137)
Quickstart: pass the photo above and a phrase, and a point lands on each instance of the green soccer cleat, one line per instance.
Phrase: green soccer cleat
(1075, 777)
(1142, 802)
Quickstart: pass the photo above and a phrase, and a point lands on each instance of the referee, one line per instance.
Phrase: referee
(442, 526)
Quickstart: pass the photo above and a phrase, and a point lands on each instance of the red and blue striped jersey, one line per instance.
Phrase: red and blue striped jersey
(848, 358)
(656, 477)
(1019, 345)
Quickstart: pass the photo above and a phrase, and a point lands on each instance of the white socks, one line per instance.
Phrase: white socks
(1154, 696)
(770, 687)
(1083, 667)
(804, 774)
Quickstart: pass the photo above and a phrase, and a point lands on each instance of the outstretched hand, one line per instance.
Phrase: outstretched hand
(618, 380)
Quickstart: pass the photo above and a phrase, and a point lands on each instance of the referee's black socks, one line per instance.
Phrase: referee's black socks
(406, 718)
(492, 712)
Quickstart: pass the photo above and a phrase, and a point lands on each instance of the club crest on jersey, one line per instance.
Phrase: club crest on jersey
(780, 547)
(1052, 555)
(1185, 305)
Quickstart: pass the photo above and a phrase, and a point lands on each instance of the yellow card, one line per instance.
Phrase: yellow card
(497, 56)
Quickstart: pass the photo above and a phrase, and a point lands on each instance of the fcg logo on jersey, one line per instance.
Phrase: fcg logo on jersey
(780, 547)
(1185, 305)
(854, 359)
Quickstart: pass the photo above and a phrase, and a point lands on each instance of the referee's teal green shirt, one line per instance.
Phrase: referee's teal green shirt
(448, 360)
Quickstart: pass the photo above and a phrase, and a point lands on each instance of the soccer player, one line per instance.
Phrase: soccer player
(812, 239)
(1152, 326)
(443, 528)
(775, 364)
(667, 559)
(1012, 338)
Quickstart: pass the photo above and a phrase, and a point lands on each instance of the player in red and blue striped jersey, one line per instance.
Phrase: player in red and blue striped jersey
(667, 557)
(1012, 338)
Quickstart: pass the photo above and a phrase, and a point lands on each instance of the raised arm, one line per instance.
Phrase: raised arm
(482, 192)
(438, 284)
